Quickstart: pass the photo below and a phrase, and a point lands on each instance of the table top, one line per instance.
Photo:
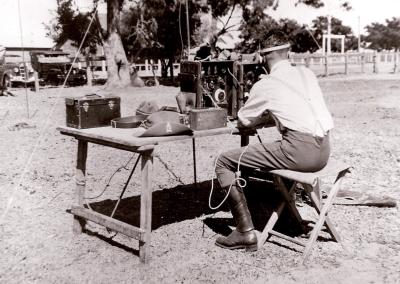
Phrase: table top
(130, 136)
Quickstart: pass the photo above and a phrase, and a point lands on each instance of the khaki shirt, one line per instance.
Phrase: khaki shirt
(292, 96)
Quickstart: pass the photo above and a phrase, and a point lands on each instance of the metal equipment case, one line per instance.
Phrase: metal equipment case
(92, 111)
(207, 118)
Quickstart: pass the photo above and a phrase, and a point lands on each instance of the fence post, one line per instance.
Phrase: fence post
(375, 62)
(36, 76)
(89, 76)
(346, 64)
(307, 59)
(326, 66)
(362, 59)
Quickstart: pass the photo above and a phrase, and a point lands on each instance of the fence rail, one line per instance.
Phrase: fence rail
(349, 63)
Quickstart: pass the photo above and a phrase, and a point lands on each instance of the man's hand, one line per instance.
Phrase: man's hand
(246, 129)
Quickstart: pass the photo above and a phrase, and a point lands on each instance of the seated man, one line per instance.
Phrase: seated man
(292, 96)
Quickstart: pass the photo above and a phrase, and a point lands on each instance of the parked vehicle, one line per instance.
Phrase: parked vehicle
(20, 73)
(5, 82)
(53, 67)
(56, 76)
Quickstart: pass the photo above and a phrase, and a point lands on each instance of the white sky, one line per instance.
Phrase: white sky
(367, 11)
(36, 12)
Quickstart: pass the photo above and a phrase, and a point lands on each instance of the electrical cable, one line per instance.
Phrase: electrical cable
(233, 76)
(111, 177)
(210, 96)
(169, 170)
(238, 179)
(241, 182)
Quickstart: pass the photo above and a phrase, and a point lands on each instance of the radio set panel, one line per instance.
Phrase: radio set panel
(222, 83)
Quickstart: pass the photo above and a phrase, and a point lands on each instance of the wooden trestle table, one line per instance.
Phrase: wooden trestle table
(125, 139)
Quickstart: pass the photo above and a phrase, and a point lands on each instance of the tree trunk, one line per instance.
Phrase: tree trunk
(117, 63)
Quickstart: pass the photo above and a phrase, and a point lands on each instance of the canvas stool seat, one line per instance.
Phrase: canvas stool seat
(310, 182)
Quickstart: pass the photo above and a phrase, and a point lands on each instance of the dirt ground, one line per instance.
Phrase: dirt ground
(37, 179)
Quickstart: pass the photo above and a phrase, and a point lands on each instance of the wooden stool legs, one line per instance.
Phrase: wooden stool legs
(323, 216)
(322, 208)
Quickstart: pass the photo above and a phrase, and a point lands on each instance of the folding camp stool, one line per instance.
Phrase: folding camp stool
(310, 182)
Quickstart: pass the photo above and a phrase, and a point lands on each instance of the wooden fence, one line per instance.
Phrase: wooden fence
(349, 63)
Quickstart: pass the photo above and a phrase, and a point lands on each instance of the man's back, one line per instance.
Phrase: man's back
(293, 96)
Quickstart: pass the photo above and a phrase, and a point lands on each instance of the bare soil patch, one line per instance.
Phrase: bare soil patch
(36, 240)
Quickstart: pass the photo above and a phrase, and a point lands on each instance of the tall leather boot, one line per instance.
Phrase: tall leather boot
(244, 235)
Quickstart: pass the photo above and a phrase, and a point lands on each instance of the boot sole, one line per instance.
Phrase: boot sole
(249, 248)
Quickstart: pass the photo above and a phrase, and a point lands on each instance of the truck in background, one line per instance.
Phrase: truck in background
(52, 68)
(5, 82)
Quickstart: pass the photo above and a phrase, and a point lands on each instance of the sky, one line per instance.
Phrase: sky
(34, 13)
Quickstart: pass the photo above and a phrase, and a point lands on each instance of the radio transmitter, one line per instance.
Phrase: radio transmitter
(219, 83)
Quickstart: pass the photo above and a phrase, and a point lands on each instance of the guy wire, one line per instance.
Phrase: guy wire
(45, 127)
(180, 29)
(23, 58)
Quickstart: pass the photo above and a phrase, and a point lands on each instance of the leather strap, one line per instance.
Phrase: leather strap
(303, 96)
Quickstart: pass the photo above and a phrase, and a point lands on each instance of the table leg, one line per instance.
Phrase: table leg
(244, 140)
(194, 161)
(80, 178)
(146, 205)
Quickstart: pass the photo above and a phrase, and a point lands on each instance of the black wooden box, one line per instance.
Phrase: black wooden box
(92, 110)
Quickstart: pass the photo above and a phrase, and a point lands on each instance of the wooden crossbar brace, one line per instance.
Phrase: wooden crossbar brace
(108, 222)
(290, 239)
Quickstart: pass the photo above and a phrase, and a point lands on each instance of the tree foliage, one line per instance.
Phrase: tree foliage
(139, 27)
(321, 3)
(158, 27)
(70, 24)
(222, 12)
(257, 24)
(384, 36)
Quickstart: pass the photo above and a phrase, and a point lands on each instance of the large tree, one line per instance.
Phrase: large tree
(71, 24)
(118, 69)
(156, 29)
(139, 28)
(384, 36)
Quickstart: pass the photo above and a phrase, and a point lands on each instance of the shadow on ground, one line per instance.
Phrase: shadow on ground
(170, 205)
(186, 202)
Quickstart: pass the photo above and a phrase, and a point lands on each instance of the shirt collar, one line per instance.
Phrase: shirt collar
(281, 64)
